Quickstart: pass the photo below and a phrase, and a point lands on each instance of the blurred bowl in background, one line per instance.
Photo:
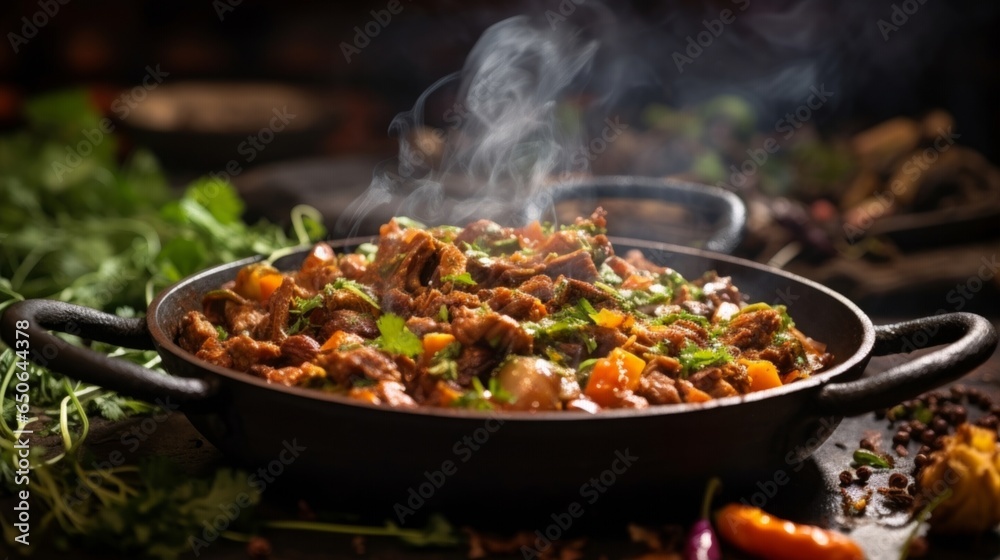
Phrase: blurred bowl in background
(205, 126)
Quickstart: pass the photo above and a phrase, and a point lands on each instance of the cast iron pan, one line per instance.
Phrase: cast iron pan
(374, 459)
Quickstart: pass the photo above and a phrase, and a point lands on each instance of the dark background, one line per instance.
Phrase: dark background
(945, 55)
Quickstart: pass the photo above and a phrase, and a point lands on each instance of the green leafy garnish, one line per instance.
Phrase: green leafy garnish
(396, 338)
(674, 317)
(221, 331)
(300, 311)
(464, 279)
(443, 362)
(481, 398)
(354, 287)
(694, 358)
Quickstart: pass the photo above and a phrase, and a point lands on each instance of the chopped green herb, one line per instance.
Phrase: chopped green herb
(409, 223)
(694, 358)
(464, 279)
(443, 313)
(396, 338)
(300, 311)
(608, 276)
(223, 335)
(443, 362)
(354, 287)
(368, 251)
(674, 317)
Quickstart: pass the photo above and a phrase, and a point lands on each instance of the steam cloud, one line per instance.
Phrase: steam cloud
(509, 132)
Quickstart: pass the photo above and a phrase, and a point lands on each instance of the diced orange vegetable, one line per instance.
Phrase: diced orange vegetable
(339, 339)
(364, 394)
(248, 280)
(694, 394)
(447, 394)
(762, 373)
(268, 284)
(435, 342)
(609, 318)
(792, 376)
(637, 282)
(613, 376)
(320, 255)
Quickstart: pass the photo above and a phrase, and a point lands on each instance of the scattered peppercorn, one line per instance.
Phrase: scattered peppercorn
(898, 480)
(921, 460)
(901, 438)
(927, 436)
(864, 473)
(846, 478)
(901, 451)
(258, 548)
(939, 425)
(867, 444)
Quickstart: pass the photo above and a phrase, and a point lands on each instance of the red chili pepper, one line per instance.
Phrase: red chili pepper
(753, 530)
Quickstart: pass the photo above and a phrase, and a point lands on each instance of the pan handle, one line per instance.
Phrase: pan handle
(725, 207)
(30, 320)
(974, 340)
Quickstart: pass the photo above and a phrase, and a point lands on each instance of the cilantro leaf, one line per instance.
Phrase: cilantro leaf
(396, 338)
(464, 279)
(356, 288)
(694, 358)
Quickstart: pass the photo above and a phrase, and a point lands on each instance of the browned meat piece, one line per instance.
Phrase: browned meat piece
(692, 306)
(346, 300)
(347, 320)
(451, 262)
(475, 361)
(472, 326)
(539, 286)
(364, 362)
(353, 266)
(319, 268)
(245, 352)
(578, 265)
(279, 307)
(607, 339)
(569, 292)
(514, 304)
(195, 330)
(405, 259)
(297, 349)
(304, 374)
(678, 334)
(664, 365)
(244, 319)
(428, 304)
(563, 242)
(657, 388)
(601, 249)
(398, 302)
(574, 352)
(635, 258)
(421, 326)
(783, 355)
(485, 234)
(711, 381)
(720, 289)
(213, 352)
(755, 329)
(500, 272)
(621, 267)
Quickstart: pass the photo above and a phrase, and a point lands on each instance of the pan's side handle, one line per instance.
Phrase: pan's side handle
(973, 338)
(31, 319)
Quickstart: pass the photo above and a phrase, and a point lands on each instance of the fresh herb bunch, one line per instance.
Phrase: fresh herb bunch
(88, 230)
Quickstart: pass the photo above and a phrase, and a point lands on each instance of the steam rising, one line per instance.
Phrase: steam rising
(508, 134)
